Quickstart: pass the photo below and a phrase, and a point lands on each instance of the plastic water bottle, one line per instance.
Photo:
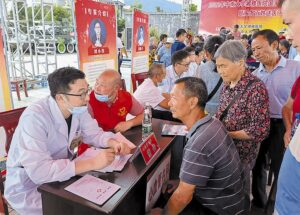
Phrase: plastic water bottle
(147, 122)
(295, 124)
(148, 106)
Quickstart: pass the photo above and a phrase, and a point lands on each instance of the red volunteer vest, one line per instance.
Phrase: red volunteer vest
(108, 117)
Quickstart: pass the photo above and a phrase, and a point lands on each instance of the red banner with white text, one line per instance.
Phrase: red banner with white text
(96, 33)
(140, 42)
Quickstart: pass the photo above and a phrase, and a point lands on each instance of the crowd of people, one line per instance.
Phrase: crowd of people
(240, 119)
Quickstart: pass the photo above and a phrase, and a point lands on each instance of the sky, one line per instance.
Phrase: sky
(197, 2)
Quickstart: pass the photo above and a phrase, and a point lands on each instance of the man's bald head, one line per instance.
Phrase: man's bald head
(291, 17)
(108, 83)
(112, 76)
(290, 4)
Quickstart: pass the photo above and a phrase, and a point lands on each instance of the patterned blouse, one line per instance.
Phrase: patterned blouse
(249, 113)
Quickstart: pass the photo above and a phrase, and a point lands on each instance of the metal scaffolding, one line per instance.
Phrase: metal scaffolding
(44, 36)
(185, 12)
(17, 37)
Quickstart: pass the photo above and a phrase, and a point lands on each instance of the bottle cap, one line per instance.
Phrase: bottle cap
(297, 115)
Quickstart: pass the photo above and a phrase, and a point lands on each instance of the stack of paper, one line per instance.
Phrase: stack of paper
(123, 139)
(117, 165)
(120, 160)
(93, 189)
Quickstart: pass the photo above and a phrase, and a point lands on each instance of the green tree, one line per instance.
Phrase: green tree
(61, 15)
(136, 5)
(158, 9)
(193, 7)
(120, 22)
(153, 32)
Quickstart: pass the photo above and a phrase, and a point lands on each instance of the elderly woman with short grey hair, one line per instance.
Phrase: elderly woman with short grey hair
(244, 105)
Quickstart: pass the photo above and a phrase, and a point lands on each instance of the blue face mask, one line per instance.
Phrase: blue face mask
(102, 98)
(162, 83)
(76, 110)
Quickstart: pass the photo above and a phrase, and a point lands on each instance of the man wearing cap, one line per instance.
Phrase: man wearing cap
(164, 53)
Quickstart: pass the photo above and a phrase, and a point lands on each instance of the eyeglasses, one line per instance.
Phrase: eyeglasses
(185, 65)
(82, 95)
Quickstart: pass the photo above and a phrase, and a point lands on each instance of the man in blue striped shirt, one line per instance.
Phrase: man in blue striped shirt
(211, 178)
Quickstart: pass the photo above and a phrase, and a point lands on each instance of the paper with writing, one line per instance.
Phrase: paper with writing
(93, 189)
(117, 165)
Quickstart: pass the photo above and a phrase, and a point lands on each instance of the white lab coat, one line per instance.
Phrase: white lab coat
(39, 152)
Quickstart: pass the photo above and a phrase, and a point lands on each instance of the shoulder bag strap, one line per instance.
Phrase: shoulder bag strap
(234, 100)
(213, 92)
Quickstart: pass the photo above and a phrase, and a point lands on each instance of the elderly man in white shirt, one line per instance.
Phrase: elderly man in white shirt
(148, 91)
(46, 141)
(178, 69)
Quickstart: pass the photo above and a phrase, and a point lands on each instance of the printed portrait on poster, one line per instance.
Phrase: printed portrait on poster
(97, 33)
(140, 36)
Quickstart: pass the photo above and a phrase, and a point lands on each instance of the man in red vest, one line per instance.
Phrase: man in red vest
(109, 104)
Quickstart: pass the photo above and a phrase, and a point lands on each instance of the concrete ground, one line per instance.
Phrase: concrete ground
(37, 92)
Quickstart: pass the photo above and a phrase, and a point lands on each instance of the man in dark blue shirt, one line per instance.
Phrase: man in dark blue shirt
(180, 38)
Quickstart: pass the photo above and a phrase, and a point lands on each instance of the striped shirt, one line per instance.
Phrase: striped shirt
(212, 163)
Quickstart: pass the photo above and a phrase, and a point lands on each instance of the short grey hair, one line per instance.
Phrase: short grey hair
(232, 50)
(156, 69)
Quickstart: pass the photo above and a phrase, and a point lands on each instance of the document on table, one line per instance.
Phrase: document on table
(93, 189)
(117, 165)
(120, 160)
(123, 139)
(169, 129)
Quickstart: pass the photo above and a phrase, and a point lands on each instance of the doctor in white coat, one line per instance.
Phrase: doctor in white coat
(46, 139)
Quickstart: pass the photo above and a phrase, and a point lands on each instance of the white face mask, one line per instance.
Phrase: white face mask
(76, 110)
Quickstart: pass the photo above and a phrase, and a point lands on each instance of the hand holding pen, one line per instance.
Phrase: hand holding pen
(120, 148)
